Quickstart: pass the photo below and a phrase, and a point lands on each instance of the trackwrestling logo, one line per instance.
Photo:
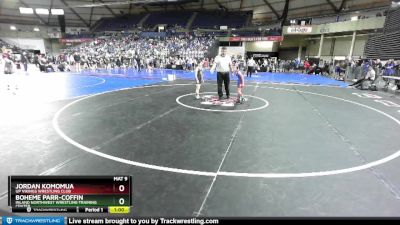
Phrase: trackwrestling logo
(33, 220)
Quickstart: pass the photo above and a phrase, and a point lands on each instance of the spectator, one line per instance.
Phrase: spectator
(8, 65)
(307, 66)
(24, 61)
(250, 67)
(369, 77)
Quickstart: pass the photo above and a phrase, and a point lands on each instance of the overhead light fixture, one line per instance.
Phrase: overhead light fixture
(57, 11)
(13, 28)
(36, 29)
(41, 11)
(354, 18)
(24, 10)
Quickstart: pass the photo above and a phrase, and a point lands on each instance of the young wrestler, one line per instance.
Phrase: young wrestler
(240, 83)
(198, 73)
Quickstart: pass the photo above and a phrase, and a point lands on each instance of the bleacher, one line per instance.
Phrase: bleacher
(372, 49)
(170, 18)
(203, 20)
(392, 21)
(6, 45)
(80, 35)
(213, 20)
(385, 44)
(346, 16)
(390, 45)
(216, 33)
(119, 23)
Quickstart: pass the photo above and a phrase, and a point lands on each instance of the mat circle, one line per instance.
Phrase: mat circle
(265, 104)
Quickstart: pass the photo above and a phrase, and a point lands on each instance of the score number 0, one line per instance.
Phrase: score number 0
(121, 188)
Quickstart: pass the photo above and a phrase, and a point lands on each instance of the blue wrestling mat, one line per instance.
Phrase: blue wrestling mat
(162, 74)
(70, 85)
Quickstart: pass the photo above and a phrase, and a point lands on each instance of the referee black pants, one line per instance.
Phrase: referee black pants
(249, 70)
(223, 78)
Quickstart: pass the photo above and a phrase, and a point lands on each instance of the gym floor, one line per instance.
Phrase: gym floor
(300, 145)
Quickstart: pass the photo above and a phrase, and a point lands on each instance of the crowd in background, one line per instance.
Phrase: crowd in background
(332, 68)
(182, 51)
(125, 51)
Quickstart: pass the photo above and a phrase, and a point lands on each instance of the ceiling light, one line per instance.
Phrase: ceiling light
(24, 10)
(354, 18)
(13, 28)
(57, 11)
(36, 29)
(41, 11)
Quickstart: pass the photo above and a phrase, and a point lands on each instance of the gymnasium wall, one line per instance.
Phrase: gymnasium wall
(52, 46)
(359, 46)
(345, 26)
(26, 31)
(338, 46)
(234, 50)
(261, 46)
(27, 43)
(290, 53)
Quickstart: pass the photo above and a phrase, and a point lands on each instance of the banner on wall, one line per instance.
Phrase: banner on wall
(262, 54)
(268, 38)
(54, 35)
(299, 29)
(234, 51)
(75, 40)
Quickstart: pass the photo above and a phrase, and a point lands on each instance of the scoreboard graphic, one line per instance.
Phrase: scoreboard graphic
(73, 194)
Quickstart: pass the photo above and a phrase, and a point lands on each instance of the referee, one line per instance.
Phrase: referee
(222, 64)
